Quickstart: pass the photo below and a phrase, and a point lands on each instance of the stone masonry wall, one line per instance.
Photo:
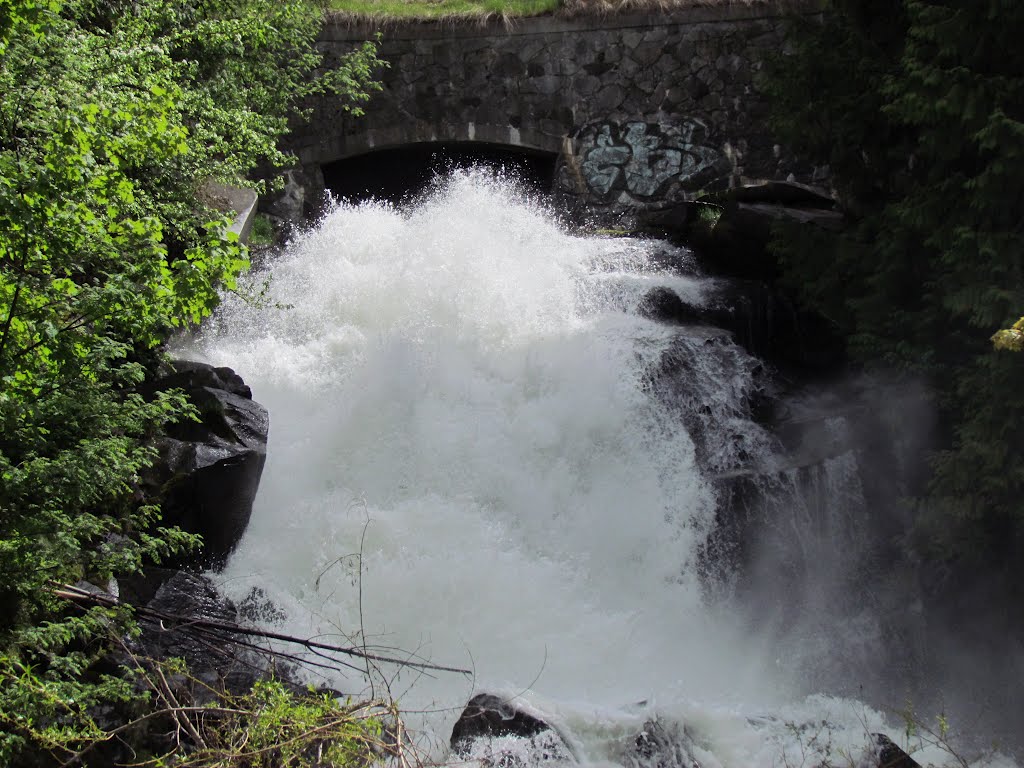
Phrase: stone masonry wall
(643, 110)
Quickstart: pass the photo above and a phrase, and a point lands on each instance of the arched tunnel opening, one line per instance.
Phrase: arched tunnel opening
(398, 174)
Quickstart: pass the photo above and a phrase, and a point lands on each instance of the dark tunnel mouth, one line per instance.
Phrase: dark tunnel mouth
(403, 173)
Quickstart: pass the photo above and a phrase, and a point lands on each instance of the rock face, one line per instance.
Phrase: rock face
(209, 471)
(762, 320)
(664, 305)
(300, 199)
(730, 233)
(495, 732)
(185, 597)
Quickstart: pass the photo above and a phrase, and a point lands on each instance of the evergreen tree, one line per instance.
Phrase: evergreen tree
(919, 106)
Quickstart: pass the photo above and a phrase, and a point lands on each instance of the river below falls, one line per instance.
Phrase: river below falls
(469, 465)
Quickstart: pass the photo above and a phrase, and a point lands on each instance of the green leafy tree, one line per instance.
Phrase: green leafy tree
(113, 117)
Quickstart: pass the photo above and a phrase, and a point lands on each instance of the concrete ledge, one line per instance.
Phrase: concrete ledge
(242, 225)
(238, 200)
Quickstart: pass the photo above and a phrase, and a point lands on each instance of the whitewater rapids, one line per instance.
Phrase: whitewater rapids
(468, 463)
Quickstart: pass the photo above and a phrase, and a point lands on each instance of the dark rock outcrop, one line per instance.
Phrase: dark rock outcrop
(213, 660)
(494, 730)
(186, 618)
(737, 245)
(762, 320)
(209, 470)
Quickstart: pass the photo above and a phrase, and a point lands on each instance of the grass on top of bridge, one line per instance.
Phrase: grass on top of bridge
(378, 10)
(433, 9)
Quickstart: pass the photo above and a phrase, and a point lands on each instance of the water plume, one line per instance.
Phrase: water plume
(474, 459)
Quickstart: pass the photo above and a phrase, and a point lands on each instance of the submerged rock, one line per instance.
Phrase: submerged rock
(495, 732)
(888, 755)
(664, 305)
(661, 745)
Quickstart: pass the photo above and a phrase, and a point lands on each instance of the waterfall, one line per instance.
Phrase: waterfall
(482, 454)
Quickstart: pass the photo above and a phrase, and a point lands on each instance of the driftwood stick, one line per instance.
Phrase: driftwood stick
(69, 592)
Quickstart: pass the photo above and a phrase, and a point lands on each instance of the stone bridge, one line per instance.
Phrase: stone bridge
(641, 111)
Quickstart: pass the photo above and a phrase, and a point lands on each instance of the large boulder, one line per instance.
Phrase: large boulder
(187, 618)
(209, 470)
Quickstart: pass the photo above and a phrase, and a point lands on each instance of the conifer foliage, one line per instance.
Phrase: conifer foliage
(919, 107)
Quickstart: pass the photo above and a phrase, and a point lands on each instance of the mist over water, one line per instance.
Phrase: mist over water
(472, 462)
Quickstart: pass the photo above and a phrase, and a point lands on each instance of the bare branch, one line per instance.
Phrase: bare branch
(77, 595)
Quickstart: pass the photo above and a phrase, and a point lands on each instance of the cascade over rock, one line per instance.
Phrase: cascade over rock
(502, 439)
(495, 730)
(663, 304)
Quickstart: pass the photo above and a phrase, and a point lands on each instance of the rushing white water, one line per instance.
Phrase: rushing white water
(472, 461)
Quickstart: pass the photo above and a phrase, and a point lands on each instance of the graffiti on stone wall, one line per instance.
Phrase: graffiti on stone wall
(647, 160)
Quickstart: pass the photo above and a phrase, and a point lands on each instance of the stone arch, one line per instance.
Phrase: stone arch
(373, 138)
(396, 170)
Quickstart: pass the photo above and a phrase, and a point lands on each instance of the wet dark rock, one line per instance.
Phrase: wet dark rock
(762, 321)
(664, 305)
(496, 732)
(487, 716)
(217, 658)
(184, 597)
(768, 212)
(140, 588)
(734, 241)
(209, 470)
(770, 325)
(891, 756)
(743, 509)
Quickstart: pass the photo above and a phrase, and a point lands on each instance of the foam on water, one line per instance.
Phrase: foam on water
(468, 463)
